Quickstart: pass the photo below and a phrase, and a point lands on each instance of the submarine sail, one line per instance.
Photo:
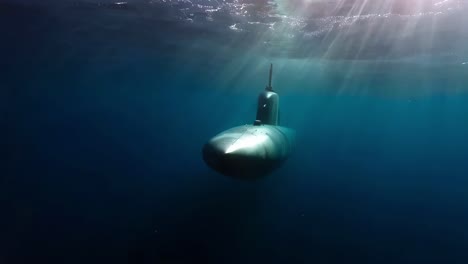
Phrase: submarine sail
(268, 105)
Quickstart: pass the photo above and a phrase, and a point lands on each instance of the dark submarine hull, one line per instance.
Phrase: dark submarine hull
(252, 151)
(249, 151)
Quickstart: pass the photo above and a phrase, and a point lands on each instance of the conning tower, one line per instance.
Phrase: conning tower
(268, 105)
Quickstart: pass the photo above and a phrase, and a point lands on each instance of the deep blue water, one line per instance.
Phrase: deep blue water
(104, 110)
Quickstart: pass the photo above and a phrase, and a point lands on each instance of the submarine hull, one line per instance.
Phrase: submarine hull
(249, 151)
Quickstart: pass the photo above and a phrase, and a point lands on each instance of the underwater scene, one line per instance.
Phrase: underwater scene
(107, 109)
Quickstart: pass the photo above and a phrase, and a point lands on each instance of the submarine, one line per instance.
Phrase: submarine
(252, 150)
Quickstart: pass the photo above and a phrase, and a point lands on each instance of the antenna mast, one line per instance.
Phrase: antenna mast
(269, 88)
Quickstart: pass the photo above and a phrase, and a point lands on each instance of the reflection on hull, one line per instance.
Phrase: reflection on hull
(249, 151)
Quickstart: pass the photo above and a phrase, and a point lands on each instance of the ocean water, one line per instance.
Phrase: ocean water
(105, 107)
